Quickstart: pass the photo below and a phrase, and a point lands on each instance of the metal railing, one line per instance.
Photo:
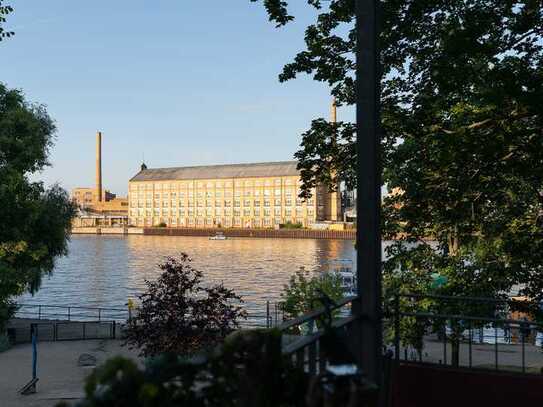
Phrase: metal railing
(70, 313)
(490, 341)
(78, 314)
(302, 338)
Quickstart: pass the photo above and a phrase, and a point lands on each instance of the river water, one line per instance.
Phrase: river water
(104, 271)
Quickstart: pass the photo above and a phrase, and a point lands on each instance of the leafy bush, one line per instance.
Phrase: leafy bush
(162, 225)
(179, 315)
(304, 289)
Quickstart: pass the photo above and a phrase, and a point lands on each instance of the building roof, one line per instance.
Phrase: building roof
(270, 169)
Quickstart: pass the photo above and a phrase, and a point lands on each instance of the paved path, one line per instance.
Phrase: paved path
(60, 378)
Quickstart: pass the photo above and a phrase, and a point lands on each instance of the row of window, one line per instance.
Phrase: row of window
(215, 184)
(216, 194)
(218, 203)
(218, 212)
(212, 222)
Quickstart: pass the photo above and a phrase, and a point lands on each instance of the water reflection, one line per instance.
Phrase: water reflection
(107, 270)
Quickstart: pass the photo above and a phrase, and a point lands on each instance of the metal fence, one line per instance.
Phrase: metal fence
(59, 313)
(488, 341)
(302, 339)
(21, 330)
(70, 313)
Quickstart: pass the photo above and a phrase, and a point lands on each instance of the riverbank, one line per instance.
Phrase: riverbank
(233, 232)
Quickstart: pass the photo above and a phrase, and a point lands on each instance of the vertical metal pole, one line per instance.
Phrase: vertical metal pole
(34, 350)
(496, 346)
(523, 353)
(470, 340)
(445, 342)
(368, 235)
(69, 313)
(397, 328)
(39, 311)
(99, 314)
(268, 324)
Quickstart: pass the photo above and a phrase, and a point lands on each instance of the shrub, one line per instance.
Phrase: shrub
(179, 315)
(247, 370)
(304, 289)
(162, 225)
(290, 225)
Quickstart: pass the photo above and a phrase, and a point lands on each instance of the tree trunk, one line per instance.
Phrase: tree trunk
(453, 242)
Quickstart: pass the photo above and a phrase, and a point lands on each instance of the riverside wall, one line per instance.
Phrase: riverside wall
(107, 231)
(257, 233)
(262, 233)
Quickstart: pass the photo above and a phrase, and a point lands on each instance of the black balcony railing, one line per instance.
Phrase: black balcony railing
(466, 332)
(303, 336)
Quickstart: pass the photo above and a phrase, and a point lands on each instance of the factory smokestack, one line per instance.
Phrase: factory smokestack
(335, 197)
(99, 167)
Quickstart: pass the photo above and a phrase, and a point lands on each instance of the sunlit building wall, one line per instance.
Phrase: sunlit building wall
(262, 195)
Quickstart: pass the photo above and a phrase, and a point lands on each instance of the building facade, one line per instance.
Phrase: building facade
(85, 198)
(262, 195)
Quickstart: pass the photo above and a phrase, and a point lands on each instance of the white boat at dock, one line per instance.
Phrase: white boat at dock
(218, 236)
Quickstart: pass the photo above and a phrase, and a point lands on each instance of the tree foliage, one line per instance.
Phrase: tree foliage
(462, 136)
(179, 315)
(35, 221)
(4, 11)
(303, 291)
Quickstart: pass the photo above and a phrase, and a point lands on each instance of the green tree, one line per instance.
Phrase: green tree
(304, 289)
(461, 91)
(35, 220)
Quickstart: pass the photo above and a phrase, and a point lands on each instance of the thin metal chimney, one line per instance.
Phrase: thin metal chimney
(99, 167)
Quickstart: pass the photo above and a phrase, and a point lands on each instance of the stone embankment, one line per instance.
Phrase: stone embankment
(231, 233)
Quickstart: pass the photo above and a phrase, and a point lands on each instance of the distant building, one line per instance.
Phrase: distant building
(97, 203)
(85, 198)
(261, 195)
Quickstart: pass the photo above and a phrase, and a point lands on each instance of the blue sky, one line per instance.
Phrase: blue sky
(185, 82)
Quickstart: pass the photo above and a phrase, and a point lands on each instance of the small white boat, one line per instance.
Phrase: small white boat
(218, 236)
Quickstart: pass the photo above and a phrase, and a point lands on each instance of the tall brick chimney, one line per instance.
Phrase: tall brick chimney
(98, 166)
(335, 197)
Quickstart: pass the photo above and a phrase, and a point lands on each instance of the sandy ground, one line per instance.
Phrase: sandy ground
(60, 377)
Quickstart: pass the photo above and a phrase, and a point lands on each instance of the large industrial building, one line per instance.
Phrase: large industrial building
(262, 195)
